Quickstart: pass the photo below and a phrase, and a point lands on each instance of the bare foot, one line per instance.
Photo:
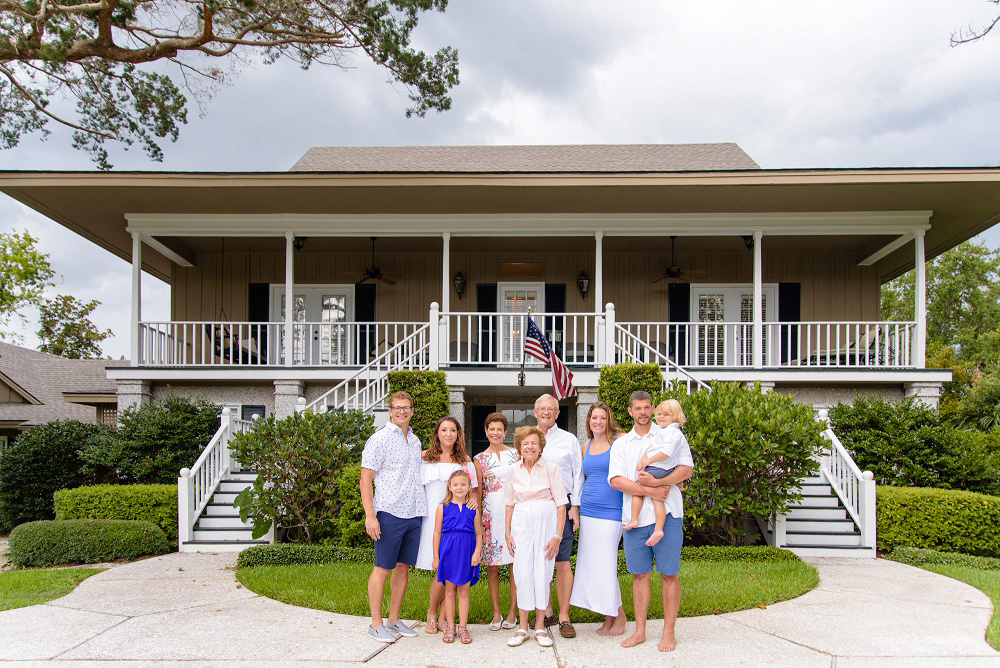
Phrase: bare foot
(667, 643)
(631, 525)
(618, 627)
(605, 628)
(654, 538)
(634, 639)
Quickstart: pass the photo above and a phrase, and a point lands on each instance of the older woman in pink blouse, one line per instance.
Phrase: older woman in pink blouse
(536, 513)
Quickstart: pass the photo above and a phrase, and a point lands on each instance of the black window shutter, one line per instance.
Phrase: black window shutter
(477, 426)
(555, 302)
(789, 310)
(678, 310)
(258, 310)
(486, 302)
(364, 311)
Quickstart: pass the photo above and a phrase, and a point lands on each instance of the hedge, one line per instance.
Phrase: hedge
(915, 556)
(429, 390)
(938, 519)
(152, 503)
(54, 542)
(617, 382)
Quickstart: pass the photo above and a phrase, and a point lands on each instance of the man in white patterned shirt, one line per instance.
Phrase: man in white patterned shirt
(562, 449)
(393, 513)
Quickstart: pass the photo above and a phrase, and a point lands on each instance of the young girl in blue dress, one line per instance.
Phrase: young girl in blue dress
(458, 540)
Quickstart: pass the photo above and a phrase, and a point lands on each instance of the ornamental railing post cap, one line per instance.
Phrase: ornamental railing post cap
(435, 306)
(609, 306)
(301, 401)
(227, 411)
(184, 473)
(824, 413)
(867, 475)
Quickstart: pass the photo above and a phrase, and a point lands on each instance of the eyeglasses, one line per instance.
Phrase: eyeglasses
(401, 409)
(546, 409)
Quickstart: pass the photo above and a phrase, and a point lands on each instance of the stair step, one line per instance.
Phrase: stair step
(218, 546)
(850, 551)
(822, 538)
(812, 501)
(222, 534)
(219, 510)
(798, 524)
(221, 522)
(224, 497)
(817, 513)
(233, 486)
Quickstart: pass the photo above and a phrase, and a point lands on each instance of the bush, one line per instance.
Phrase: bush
(938, 519)
(915, 556)
(153, 442)
(618, 381)
(293, 554)
(981, 407)
(151, 503)
(751, 450)
(49, 543)
(40, 461)
(298, 461)
(429, 390)
(911, 445)
(747, 553)
(351, 519)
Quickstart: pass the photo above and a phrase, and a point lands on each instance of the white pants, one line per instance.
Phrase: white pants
(595, 586)
(532, 526)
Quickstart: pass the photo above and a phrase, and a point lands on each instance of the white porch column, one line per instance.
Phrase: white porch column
(758, 306)
(446, 272)
(598, 270)
(289, 297)
(136, 297)
(920, 301)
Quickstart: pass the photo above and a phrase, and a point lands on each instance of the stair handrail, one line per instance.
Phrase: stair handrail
(376, 388)
(627, 354)
(855, 488)
(196, 485)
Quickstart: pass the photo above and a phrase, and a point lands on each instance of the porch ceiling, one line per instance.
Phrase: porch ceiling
(963, 201)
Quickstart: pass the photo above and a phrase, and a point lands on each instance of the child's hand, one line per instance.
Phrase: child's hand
(643, 463)
(475, 560)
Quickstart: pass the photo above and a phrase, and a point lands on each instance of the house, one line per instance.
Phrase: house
(689, 256)
(37, 387)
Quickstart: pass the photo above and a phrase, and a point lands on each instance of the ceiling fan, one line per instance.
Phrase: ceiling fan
(373, 272)
(673, 271)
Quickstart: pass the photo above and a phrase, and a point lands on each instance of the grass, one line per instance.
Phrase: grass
(986, 581)
(19, 589)
(708, 588)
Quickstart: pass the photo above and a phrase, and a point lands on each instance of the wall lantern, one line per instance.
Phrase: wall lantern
(298, 243)
(460, 284)
(583, 284)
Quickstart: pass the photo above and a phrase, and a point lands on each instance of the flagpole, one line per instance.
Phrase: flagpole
(520, 376)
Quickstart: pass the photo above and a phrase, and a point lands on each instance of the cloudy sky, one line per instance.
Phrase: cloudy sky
(853, 83)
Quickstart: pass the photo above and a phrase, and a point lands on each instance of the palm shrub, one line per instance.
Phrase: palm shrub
(298, 461)
(751, 450)
(980, 408)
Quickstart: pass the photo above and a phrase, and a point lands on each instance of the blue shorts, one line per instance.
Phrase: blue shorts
(657, 472)
(667, 553)
(566, 544)
(399, 542)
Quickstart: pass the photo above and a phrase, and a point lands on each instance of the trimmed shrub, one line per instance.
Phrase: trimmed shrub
(938, 519)
(747, 553)
(911, 445)
(351, 519)
(151, 503)
(292, 554)
(751, 451)
(153, 442)
(429, 390)
(40, 461)
(54, 542)
(298, 461)
(915, 556)
(618, 381)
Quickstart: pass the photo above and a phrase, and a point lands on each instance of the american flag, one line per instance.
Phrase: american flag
(537, 346)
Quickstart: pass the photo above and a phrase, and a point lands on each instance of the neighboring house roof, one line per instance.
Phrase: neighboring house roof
(591, 158)
(45, 378)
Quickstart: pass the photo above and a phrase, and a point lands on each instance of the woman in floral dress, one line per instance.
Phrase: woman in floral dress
(492, 465)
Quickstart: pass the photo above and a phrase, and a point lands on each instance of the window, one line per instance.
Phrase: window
(3, 443)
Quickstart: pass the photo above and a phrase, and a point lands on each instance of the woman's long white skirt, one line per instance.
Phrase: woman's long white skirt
(532, 526)
(595, 585)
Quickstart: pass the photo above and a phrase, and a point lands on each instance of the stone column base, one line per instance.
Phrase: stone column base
(927, 393)
(456, 408)
(765, 385)
(585, 397)
(286, 393)
(133, 394)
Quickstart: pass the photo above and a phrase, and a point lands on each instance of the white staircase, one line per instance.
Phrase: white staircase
(219, 528)
(819, 525)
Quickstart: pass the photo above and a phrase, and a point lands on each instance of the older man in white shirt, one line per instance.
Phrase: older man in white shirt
(562, 449)
(624, 476)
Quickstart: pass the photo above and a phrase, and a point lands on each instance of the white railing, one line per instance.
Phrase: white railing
(630, 348)
(261, 344)
(497, 339)
(196, 485)
(369, 387)
(856, 489)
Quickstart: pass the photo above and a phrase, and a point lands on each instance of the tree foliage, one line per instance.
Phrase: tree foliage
(65, 328)
(25, 272)
(99, 55)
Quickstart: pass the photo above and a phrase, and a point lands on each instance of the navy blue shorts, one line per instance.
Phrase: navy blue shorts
(399, 542)
(566, 544)
(659, 473)
(667, 553)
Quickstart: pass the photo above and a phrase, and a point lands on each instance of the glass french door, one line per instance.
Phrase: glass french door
(321, 335)
(516, 299)
(724, 329)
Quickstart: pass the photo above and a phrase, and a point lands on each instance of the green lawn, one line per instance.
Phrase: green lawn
(708, 588)
(19, 589)
(987, 581)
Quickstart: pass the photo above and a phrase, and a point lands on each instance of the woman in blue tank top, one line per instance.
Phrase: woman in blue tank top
(595, 584)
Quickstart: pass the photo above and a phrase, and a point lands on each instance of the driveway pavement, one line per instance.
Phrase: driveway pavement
(188, 610)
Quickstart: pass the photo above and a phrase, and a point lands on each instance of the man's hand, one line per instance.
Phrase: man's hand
(372, 527)
(574, 515)
(657, 493)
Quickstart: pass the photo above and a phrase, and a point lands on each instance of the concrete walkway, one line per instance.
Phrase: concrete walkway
(189, 610)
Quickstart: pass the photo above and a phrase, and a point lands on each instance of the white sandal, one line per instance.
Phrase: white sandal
(518, 638)
(543, 638)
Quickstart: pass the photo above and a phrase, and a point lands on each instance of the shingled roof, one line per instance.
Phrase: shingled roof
(594, 158)
(45, 377)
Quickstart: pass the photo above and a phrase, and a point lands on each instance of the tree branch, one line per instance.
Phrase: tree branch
(28, 95)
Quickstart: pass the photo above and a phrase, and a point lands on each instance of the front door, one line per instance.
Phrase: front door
(322, 337)
(515, 301)
(724, 329)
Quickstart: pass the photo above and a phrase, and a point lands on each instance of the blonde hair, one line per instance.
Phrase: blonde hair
(672, 407)
(523, 432)
(460, 473)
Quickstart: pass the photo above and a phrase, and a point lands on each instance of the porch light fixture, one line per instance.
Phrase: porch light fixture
(747, 240)
(583, 284)
(298, 243)
(460, 284)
